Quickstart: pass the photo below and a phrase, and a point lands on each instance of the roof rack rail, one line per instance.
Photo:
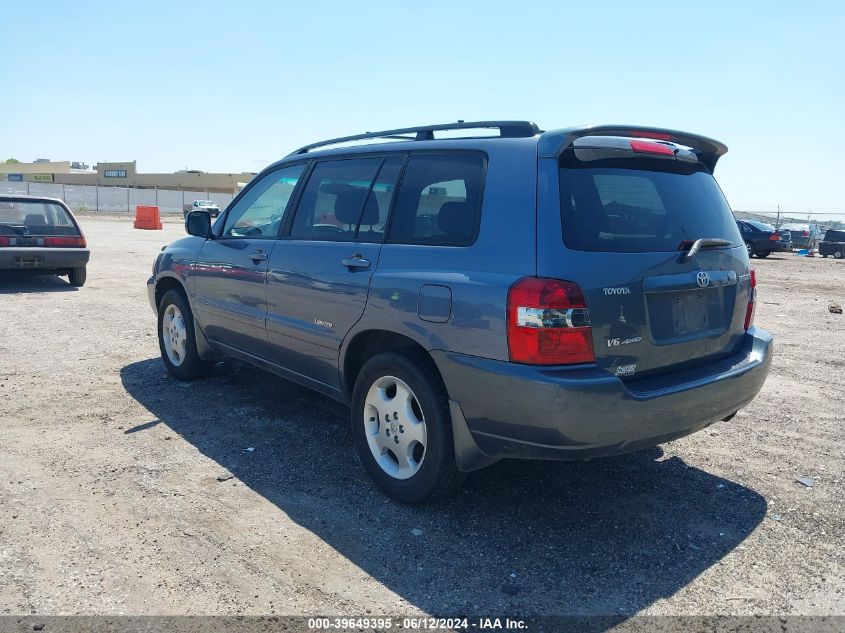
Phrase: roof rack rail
(507, 129)
(708, 150)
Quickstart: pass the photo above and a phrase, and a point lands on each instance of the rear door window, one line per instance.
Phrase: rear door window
(439, 200)
(32, 217)
(374, 218)
(621, 204)
(333, 200)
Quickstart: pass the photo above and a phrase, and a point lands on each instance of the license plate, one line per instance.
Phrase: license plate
(689, 313)
(29, 261)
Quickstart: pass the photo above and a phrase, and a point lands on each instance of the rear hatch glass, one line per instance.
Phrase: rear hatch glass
(22, 218)
(627, 224)
(639, 205)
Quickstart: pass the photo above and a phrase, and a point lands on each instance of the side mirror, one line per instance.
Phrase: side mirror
(198, 223)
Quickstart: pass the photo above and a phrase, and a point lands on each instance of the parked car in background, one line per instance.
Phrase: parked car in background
(833, 244)
(568, 294)
(803, 235)
(41, 236)
(762, 239)
(204, 205)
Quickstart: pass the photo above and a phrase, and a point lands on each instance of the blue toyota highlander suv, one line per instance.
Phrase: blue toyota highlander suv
(476, 291)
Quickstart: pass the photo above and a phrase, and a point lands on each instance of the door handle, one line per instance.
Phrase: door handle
(259, 256)
(357, 261)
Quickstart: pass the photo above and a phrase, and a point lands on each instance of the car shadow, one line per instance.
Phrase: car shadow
(23, 283)
(607, 537)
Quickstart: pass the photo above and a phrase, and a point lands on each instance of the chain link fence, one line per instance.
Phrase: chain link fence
(806, 228)
(91, 198)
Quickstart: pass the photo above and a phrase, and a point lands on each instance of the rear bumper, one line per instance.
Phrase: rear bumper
(43, 259)
(510, 410)
(774, 247)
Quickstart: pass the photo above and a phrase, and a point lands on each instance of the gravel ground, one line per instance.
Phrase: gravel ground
(125, 492)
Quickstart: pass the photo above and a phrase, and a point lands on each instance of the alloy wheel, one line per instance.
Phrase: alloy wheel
(395, 427)
(174, 334)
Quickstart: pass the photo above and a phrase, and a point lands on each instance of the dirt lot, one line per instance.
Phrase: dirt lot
(111, 499)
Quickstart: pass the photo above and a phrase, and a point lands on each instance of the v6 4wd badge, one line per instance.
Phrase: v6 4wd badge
(616, 342)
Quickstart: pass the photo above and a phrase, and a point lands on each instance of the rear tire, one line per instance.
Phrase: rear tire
(77, 276)
(177, 338)
(402, 427)
(838, 254)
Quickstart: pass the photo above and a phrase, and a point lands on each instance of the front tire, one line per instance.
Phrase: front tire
(77, 276)
(750, 248)
(177, 339)
(838, 254)
(402, 427)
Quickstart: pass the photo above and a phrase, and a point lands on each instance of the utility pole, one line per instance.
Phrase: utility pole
(777, 222)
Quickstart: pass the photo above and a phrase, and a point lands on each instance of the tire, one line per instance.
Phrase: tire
(838, 254)
(77, 276)
(764, 254)
(428, 470)
(181, 358)
(750, 248)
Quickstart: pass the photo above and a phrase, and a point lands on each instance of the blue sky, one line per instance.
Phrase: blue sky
(232, 86)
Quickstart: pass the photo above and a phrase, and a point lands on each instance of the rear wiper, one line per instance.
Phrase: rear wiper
(706, 242)
(20, 229)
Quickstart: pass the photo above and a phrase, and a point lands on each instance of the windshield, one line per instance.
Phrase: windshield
(31, 217)
(613, 202)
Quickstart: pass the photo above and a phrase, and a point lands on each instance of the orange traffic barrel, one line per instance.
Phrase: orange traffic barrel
(147, 218)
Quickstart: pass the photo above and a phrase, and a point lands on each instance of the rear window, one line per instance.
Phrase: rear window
(25, 217)
(612, 202)
(761, 226)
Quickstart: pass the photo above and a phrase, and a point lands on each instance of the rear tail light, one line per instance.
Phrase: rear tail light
(805, 234)
(774, 237)
(62, 241)
(548, 323)
(752, 301)
(65, 242)
(650, 147)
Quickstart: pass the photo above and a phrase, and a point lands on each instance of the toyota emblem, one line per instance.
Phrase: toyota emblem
(703, 279)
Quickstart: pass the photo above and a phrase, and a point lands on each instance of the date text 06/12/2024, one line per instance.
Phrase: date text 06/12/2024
(421, 623)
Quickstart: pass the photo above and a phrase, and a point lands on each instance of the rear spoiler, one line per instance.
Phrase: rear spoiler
(553, 143)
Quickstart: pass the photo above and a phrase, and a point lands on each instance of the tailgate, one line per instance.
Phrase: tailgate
(622, 230)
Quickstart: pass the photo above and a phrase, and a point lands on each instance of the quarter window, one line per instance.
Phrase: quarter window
(439, 201)
(259, 213)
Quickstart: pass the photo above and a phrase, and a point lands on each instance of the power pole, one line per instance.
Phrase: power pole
(777, 222)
